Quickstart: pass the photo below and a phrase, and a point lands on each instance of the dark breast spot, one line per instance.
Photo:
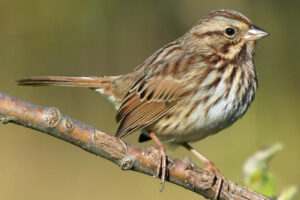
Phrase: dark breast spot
(214, 83)
(232, 75)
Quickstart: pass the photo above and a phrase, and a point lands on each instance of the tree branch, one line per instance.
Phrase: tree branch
(182, 172)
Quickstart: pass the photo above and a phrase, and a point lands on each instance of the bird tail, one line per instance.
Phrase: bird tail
(100, 84)
(90, 82)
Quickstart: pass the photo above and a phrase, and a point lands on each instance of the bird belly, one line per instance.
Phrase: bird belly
(205, 119)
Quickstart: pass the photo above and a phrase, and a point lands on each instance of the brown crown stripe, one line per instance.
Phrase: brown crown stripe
(228, 15)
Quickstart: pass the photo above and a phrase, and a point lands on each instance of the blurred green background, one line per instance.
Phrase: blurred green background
(110, 37)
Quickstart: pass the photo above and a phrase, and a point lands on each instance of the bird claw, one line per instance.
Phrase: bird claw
(162, 167)
(213, 169)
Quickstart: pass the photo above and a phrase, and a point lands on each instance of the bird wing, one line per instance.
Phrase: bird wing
(152, 96)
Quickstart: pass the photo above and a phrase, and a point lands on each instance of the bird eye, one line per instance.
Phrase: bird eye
(229, 31)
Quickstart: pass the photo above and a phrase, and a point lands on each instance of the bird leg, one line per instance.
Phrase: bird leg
(162, 166)
(210, 166)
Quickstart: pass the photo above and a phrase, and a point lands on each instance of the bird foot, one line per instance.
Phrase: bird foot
(162, 165)
(210, 166)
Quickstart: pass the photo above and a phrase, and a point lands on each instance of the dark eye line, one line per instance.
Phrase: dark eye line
(217, 32)
(207, 34)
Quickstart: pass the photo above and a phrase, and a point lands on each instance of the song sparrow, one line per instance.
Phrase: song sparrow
(191, 88)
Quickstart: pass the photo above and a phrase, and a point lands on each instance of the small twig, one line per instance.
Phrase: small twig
(129, 157)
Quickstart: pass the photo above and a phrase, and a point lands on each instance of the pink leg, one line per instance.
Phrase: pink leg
(163, 159)
(210, 166)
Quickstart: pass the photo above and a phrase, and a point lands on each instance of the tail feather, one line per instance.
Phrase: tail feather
(104, 85)
(90, 82)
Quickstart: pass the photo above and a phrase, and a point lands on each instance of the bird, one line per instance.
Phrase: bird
(191, 88)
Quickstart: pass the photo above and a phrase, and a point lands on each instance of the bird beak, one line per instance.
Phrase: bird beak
(255, 33)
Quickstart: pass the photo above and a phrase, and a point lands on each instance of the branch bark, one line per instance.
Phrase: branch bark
(182, 172)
